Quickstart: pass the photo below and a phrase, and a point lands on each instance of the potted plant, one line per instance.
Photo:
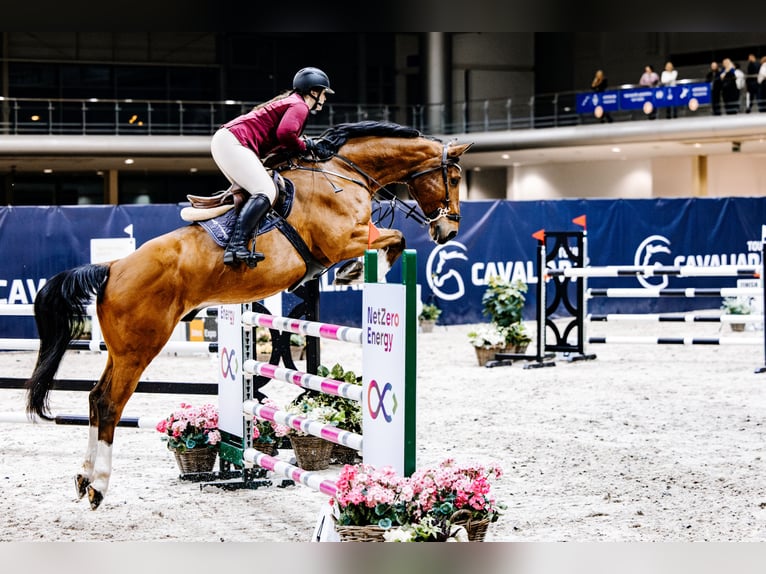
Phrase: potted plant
(312, 452)
(434, 504)
(349, 412)
(263, 345)
(192, 435)
(428, 317)
(503, 301)
(267, 435)
(736, 306)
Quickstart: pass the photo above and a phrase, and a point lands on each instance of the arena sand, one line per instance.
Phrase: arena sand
(643, 444)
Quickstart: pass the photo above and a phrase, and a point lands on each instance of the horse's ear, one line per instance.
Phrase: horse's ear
(458, 150)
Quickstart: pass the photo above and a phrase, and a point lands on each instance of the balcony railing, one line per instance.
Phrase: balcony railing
(178, 118)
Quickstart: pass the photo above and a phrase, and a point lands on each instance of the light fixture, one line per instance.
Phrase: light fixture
(615, 150)
(47, 170)
(35, 118)
(229, 102)
(128, 161)
(698, 145)
(505, 156)
(193, 170)
(93, 99)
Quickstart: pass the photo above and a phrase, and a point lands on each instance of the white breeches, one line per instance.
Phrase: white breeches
(240, 165)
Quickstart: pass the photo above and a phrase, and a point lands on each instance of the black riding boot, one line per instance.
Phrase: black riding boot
(249, 217)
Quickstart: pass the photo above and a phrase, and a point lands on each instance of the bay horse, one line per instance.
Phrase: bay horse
(141, 298)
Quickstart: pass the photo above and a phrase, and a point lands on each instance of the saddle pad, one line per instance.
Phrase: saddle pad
(220, 228)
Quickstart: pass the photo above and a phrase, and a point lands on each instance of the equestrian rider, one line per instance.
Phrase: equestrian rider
(239, 145)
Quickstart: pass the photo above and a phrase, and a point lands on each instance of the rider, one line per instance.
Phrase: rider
(239, 145)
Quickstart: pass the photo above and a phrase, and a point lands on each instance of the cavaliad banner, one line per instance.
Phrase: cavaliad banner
(495, 238)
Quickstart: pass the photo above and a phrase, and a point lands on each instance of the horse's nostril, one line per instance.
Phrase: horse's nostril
(451, 235)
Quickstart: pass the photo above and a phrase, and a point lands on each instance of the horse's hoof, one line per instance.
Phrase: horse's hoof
(81, 483)
(348, 273)
(95, 497)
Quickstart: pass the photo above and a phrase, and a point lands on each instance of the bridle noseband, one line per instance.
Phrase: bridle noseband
(443, 211)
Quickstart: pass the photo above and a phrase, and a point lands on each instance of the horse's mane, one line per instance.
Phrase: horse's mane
(339, 134)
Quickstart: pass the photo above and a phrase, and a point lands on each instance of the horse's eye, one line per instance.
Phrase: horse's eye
(454, 181)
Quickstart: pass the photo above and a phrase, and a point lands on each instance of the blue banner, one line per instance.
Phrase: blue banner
(690, 95)
(495, 238)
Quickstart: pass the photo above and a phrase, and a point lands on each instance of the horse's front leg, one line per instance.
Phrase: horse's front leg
(389, 244)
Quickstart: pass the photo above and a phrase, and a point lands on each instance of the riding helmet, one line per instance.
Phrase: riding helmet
(308, 78)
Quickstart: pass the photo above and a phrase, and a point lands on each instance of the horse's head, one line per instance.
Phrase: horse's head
(435, 186)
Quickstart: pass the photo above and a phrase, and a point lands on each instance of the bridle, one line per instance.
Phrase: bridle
(377, 188)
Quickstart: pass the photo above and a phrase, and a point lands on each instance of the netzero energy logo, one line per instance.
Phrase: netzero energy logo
(443, 279)
(648, 253)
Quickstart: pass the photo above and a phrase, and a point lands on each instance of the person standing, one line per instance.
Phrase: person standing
(650, 79)
(599, 84)
(761, 80)
(713, 77)
(752, 82)
(729, 90)
(668, 78)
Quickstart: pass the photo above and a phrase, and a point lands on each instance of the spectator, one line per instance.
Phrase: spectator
(714, 79)
(729, 89)
(599, 84)
(752, 82)
(762, 86)
(668, 78)
(649, 79)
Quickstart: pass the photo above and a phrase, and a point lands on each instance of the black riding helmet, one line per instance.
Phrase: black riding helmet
(311, 78)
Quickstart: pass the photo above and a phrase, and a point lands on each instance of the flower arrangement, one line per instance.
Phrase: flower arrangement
(349, 412)
(429, 312)
(268, 432)
(191, 427)
(503, 301)
(487, 336)
(419, 507)
(736, 306)
(312, 405)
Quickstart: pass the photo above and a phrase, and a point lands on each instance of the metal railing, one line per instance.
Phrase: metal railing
(188, 117)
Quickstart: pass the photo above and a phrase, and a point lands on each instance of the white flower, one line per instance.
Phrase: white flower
(487, 336)
(398, 535)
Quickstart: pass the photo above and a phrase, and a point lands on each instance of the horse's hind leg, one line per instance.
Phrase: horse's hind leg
(108, 400)
(84, 478)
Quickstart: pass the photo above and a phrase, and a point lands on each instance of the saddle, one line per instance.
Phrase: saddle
(208, 207)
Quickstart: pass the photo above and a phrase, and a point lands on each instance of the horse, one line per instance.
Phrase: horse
(140, 298)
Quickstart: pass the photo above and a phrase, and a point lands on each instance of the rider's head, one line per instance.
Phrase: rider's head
(313, 84)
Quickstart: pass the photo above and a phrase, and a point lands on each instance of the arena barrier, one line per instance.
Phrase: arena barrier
(387, 395)
(571, 338)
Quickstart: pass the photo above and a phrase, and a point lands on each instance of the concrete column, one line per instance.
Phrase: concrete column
(699, 175)
(111, 189)
(437, 77)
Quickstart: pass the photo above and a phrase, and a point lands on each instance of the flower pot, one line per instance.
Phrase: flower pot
(297, 353)
(269, 448)
(196, 459)
(342, 454)
(367, 533)
(476, 529)
(311, 452)
(485, 354)
(737, 326)
(427, 325)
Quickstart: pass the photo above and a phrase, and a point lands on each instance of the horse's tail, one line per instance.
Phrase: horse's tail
(60, 310)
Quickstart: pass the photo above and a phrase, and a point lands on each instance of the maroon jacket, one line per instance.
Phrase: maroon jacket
(276, 124)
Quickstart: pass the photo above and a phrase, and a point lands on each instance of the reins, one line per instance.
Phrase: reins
(374, 187)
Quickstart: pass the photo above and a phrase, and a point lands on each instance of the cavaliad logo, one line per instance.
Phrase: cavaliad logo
(443, 279)
(655, 250)
(648, 253)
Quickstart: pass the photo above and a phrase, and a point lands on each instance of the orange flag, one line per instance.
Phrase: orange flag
(373, 234)
(539, 235)
(580, 221)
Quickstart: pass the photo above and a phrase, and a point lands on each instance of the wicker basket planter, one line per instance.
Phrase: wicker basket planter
(342, 454)
(196, 459)
(476, 529)
(367, 533)
(485, 354)
(269, 448)
(311, 452)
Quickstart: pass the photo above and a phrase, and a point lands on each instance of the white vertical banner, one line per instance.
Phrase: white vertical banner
(383, 351)
(230, 384)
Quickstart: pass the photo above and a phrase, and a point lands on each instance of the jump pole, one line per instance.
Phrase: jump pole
(388, 390)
